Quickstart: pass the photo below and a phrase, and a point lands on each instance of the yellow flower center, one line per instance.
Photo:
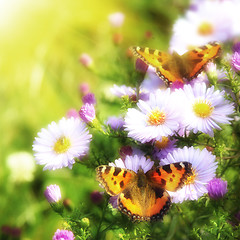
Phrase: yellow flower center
(156, 117)
(62, 145)
(205, 28)
(202, 108)
(191, 179)
(163, 144)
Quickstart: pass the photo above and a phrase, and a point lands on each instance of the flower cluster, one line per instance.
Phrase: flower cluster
(196, 108)
(161, 124)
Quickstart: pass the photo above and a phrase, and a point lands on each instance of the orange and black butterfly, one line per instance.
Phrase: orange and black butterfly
(143, 196)
(174, 67)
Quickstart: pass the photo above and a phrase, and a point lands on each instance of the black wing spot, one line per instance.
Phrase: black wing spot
(158, 192)
(178, 166)
(127, 195)
(117, 171)
(163, 182)
(166, 67)
(167, 168)
(196, 60)
(204, 47)
(121, 184)
(158, 172)
(107, 170)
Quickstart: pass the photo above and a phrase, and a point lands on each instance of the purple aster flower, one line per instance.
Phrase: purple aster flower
(59, 144)
(217, 188)
(87, 113)
(63, 235)
(89, 98)
(152, 82)
(162, 148)
(53, 193)
(236, 47)
(176, 85)
(96, 197)
(113, 201)
(116, 123)
(235, 61)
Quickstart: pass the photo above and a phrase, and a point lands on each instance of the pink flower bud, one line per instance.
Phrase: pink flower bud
(87, 113)
(53, 193)
(86, 60)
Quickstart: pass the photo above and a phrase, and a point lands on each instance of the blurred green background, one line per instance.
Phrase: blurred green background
(40, 74)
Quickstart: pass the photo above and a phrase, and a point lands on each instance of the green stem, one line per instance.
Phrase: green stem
(101, 220)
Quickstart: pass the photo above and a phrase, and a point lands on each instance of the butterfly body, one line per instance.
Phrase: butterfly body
(143, 196)
(174, 67)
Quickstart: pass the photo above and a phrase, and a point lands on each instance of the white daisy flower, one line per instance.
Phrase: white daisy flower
(203, 108)
(58, 145)
(134, 162)
(155, 118)
(209, 21)
(123, 90)
(204, 167)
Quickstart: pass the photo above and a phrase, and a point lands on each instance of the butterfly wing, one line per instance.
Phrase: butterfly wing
(162, 62)
(196, 59)
(170, 177)
(147, 204)
(113, 179)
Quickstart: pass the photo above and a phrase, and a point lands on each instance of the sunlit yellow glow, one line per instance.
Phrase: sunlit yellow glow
(8, 9)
